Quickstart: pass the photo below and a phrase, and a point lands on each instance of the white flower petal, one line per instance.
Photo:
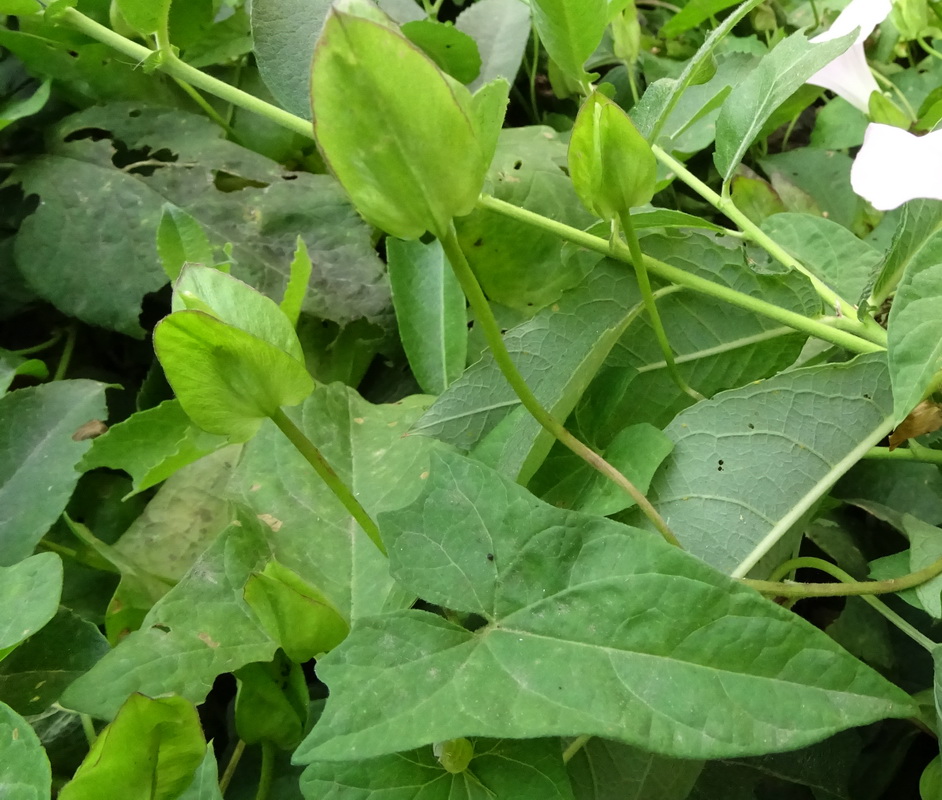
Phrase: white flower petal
(848, 76)
(894, 166)
(863, 14)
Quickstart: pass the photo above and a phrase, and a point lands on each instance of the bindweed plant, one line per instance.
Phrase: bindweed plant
(506, 400)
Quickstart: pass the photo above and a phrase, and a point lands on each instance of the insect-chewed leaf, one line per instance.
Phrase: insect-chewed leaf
(226, 379)
(401, 136)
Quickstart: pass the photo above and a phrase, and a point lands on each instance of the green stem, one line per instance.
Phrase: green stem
(88, 726)
(234, 759)
(267, 772)
(38, 348)
(644, 283)
(67, 349)
(923, 454)
(868, 329)
(848, 585)
(815, 327)
(208, 110)
(847, 579)
(341, 491)
(485, 318)
(531, 76)
(575, 746)
(173, 66)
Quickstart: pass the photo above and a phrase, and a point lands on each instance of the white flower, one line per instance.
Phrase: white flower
(894, 166)
(848, 75)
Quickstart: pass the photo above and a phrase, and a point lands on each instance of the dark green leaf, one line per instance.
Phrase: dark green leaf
(272, 702)
(747, 463)
(205, 785)
(36, 674)
(38, 457)
(556, 657)
(523, 770)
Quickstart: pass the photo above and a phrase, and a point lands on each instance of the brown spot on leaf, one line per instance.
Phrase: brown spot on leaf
(255, 487)
(924, 418)
(208, 640)
(272, 522)
(90, 430)
(359, 420)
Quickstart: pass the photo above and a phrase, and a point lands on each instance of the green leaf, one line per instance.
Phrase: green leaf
(604, 769)
(523, 770)
(24, 768)
(152, 749)
(12, 365)
(36, 674)
(205, 785)
(366, 446)
(790, 63)
(556, 656)
(181, 240)
(145, 16)
(570, 30)
(905, 487)
(200, 629)
(284, 32)
(295, 613)
(29, 597)
(747, 463)
(517, 264)
(296, 289)
(370, 87)
(272, 703)
(692, 14)
(261, 220)
(19, 6)
(914, 328)
(151, 445)
(227, 380)
(19, 107)
(611, 165)
(430, 312)
(828, 249)
(37, 465)
(839, 126)
(566, 481)
(930, 782)
(455, 52)
(558, 352)
(501, 29)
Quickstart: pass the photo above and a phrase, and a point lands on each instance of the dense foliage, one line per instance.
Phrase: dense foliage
(487, 400)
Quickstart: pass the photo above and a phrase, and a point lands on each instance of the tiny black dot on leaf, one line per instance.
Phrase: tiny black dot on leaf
(490, 556)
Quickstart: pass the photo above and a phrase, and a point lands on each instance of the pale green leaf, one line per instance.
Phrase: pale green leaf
(790, 63)
(24, 768)
(748, 464)
(226, 379)
(152, 749)
(181, 240)
(501, 29)
(692, 14)
(529, 769)
(455, 52)
(205, 785)
(29, 597)
(556, 656)
(19, 107)
(430, 312)
(38, 458)
(12, 365)
(151, 445)
(396, 133)
(145, 16)
(570, 30)
(311, 532)
(296, 289)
